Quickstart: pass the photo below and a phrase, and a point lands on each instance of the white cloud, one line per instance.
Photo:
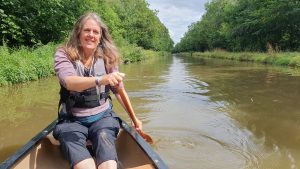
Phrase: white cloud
(177, 15)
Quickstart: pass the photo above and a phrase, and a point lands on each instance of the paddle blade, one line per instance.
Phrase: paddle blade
(146, 137)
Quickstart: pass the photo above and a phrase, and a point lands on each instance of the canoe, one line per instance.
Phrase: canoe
(42, 152)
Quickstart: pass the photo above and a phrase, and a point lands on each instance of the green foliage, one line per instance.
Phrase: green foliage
(131, 53)
(295, 61)
(281, 58)
(27, 25)
(9, 29)
(245, 25)
(107, 11)
(24, 65)
(142, 25)
(27, 64)
(31, 22)
(35, 22)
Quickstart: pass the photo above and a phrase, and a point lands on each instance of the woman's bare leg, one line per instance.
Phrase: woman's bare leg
(110, 164)
(86, 164)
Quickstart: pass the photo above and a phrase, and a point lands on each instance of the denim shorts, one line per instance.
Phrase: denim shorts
(102, 134)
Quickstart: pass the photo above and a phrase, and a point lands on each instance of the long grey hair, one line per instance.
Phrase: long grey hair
(106, 49)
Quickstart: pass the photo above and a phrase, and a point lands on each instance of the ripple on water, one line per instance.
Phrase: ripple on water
(193, 149)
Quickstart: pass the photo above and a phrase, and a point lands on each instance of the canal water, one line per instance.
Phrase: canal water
(201, 113)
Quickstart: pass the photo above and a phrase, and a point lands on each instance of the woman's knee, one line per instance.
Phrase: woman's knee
(104, 138)
(73, 146)
(110, 164)
(85, 164)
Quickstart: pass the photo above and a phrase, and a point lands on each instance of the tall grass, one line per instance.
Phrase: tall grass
(273, 58)
(27, 64)
(24, 64)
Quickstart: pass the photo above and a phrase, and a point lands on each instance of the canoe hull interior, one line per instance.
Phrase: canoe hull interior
(45, 155)
(43, 152)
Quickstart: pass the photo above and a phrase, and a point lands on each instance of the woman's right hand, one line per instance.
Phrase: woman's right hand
(112, 79)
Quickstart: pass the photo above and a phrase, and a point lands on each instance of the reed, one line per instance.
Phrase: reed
(273, 58)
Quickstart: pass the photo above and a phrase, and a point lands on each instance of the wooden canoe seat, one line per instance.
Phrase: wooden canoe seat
(52, 139)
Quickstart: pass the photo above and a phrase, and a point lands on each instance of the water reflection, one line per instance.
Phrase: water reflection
(264, 102)
(201, 113)
(25, 110)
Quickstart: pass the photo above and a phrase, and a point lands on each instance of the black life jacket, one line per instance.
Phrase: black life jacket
(88, 98)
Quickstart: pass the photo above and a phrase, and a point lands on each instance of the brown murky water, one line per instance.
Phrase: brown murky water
(201, 113)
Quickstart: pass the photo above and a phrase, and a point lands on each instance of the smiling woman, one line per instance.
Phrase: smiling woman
(89, 39)
(87, 69)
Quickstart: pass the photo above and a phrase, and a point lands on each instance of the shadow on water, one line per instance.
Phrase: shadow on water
(25, 110)
(8, 150)
(262, 100)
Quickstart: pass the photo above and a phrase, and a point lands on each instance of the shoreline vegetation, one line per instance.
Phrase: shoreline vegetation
(26, 50)
(27, 64)
(291, 59)
(233, 30)
(246, 30)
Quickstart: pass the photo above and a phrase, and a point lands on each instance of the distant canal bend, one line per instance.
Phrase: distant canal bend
(201, 113)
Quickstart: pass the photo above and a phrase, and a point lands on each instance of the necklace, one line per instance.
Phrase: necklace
(88, 62)
(88, 67)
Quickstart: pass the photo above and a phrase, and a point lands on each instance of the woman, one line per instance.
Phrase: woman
(87, 68)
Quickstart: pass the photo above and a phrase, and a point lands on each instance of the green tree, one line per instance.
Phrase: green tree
(246, 25)
(38, 21)
(32, 22)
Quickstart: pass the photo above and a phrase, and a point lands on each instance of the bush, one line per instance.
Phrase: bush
(25, 64)
(295, 61)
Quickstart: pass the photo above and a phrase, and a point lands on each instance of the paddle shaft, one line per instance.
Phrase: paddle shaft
(128, 106)
(131, 113)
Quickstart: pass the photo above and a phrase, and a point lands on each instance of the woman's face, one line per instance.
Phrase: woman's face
(90, 37)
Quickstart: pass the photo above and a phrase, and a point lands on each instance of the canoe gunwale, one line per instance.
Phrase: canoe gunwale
(154, 157)
(28, 146)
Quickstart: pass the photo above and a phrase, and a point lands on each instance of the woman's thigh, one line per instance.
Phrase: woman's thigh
(72, 137)
(103, 135)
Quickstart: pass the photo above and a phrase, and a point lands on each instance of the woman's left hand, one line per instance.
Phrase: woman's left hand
(139, 124)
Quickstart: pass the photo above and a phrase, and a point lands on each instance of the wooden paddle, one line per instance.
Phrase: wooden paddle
(129, 108)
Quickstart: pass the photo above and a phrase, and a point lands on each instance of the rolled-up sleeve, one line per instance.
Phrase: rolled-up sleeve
(63, 66)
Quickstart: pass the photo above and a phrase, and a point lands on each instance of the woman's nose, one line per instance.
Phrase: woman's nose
(91, 33)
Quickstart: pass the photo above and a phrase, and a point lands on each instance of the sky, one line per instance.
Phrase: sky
(177, 15)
